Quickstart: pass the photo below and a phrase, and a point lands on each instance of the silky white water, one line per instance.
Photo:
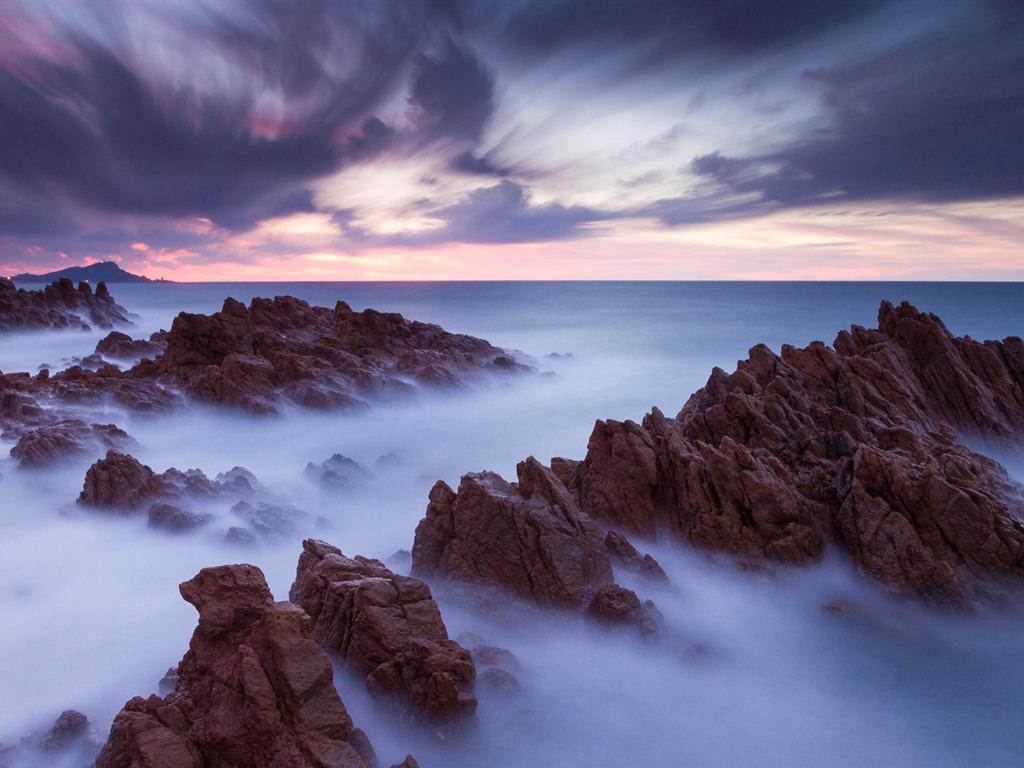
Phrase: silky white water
(750, 671)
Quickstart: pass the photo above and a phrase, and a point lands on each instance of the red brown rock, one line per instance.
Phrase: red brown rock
(253, 691)
(614, 606)
(59, 305)
(863, 446)
(67, 439)
(284, 349)
(121, 346)
(119, 481)
(387, 628)
(626, 556)
(528, 537)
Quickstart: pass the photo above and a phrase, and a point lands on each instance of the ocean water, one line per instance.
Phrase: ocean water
(750, 671)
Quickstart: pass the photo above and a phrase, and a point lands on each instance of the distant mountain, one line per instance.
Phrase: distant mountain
(105, 271)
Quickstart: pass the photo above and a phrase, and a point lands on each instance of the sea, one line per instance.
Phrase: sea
(750, 669)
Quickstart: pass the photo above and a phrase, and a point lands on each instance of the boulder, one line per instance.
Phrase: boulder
(527, 537)
(253, 690)
(388, 629)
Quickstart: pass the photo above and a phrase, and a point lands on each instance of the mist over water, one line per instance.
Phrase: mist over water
(750, 671)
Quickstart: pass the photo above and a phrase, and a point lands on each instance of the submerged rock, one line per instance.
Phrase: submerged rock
(387, 628)
(253, 691)
(528, 537)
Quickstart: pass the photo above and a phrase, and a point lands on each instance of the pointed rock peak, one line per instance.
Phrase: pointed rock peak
(228, 597)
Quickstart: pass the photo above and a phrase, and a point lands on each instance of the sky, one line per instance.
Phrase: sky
(545, 139)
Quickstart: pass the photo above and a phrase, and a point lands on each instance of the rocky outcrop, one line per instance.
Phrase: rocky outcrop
(387, 628)
(338, 473)
(527, 537)
(253, 690)
(864, 446)
(59, 305)
(617, 607)
(67, 439)
(625, 556)
(121, 346)
(283, 349)
(121, 483)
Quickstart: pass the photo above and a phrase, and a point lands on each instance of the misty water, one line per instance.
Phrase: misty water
(750, 671)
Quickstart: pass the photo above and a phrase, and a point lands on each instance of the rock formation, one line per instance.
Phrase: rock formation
(253, 691)
(121, 483)
(121, 346)
(864, 446)
(387, 628)
(67, 439)
(527, 537)
(614, 606)
(316, 357)
(59, 305)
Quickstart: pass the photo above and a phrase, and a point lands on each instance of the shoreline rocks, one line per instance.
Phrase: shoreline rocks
(388, 629)
(527, 537)
(864, 447)
(60, 305)
(253, 690)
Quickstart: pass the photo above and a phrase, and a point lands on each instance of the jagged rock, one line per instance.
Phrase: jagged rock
(528, 537)
(625, 555)
(71, 726)
(170, 517)
(253, 691)
(121, 346)
(268, 519)
(615, 606)
(338, 473)
(66, 439)
(409, 762)
(283, 348)
(59, 305)
(119, 481)
(387, 628)
(863, 446)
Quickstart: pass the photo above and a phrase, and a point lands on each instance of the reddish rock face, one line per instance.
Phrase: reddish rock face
(121, 482)
(283, 349)
(67, 439)
(387, 628)
(253, 691)
(528, 537)
(614, 606)
(121, 346)
(59, 305)
(861, 446)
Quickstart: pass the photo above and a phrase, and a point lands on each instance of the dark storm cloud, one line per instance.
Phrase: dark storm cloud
(939, 120)
(452, 94)
(668, 29)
